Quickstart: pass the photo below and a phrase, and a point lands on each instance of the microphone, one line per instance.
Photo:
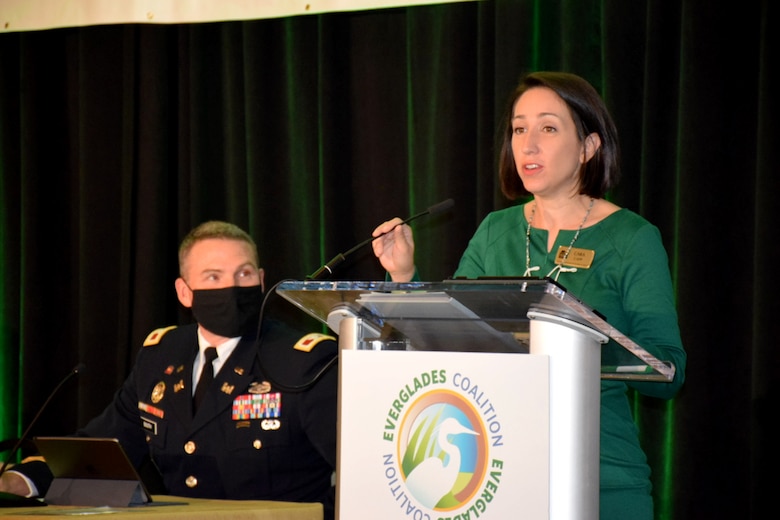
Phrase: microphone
(9, 499)
(327, 269)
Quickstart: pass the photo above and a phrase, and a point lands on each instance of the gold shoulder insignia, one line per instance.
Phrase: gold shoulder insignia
(309, 341)
(156, 335)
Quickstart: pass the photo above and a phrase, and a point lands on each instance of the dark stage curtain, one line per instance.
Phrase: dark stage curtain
(309, 131)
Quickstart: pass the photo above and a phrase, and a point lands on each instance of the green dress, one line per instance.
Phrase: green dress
(629, 283)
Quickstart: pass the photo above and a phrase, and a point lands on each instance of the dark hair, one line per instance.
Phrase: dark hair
(602, 172)
(214, 229)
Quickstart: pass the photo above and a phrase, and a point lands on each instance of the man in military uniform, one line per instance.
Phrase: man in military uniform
(265, 425)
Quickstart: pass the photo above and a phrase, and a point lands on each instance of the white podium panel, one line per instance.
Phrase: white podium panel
(443, 435)
(443, 377)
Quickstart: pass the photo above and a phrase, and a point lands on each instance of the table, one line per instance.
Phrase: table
(173, 508)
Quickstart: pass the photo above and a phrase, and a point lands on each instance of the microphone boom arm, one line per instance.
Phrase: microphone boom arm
(78, 368)
(327, 269)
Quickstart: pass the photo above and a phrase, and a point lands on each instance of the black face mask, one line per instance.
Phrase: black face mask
(229, 312)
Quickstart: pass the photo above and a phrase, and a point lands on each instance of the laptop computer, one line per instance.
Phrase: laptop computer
(91, 471)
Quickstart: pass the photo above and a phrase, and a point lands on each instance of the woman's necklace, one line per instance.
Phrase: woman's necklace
(559, 268)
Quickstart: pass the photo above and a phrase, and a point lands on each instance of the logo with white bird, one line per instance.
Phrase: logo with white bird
(442, 449)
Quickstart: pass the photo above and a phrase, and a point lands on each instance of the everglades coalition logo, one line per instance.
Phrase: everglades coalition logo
(444, 456)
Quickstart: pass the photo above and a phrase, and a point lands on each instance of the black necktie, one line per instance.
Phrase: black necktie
(206, 376)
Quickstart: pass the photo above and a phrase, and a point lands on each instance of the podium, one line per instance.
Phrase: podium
(469, 398)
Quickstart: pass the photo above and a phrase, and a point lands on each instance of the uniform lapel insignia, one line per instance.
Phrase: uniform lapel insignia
(227, 389)
(239, 370)
(158, 392)
(169, 370)
(179, 386)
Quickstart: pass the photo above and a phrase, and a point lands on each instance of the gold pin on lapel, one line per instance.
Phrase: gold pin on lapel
(158, 392)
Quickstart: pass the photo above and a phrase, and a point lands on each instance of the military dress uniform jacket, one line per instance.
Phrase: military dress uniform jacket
(249, 439)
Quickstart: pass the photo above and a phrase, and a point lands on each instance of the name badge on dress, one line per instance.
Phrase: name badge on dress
(580, 258)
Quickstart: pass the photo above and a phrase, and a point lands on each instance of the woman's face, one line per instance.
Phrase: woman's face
(546, 149)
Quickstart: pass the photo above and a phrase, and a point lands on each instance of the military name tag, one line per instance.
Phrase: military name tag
(150, 426)
(581, 258)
